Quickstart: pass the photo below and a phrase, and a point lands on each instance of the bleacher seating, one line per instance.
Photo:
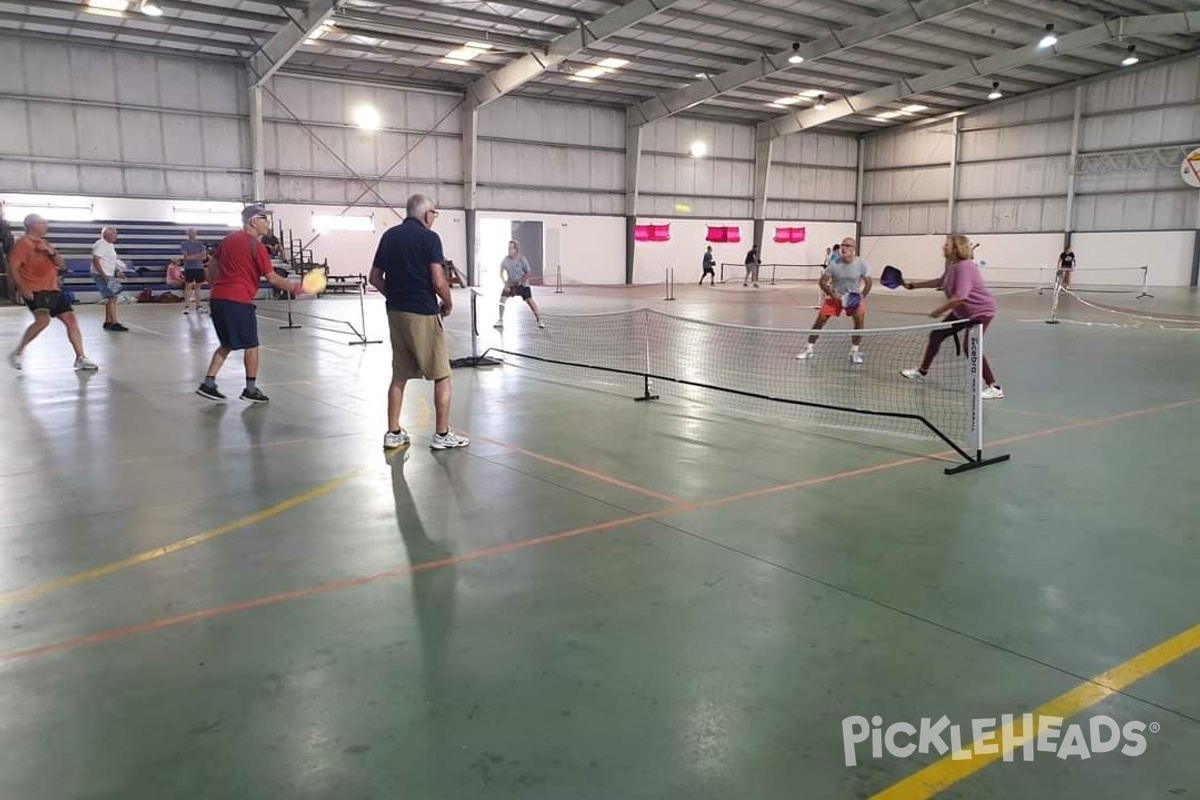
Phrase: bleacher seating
(145, 246)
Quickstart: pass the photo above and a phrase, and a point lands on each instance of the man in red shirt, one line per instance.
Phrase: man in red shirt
(34, 265)
(238, 264)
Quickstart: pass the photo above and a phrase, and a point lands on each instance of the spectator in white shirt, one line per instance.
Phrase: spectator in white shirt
(106, 269)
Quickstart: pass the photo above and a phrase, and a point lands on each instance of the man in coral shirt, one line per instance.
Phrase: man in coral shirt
(35, 264)
(238, 264)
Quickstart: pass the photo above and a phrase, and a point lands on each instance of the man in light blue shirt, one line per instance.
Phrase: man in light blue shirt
(515, 271)
(845, 283)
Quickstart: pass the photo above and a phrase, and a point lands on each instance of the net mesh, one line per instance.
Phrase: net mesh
(1111, 280)
(755, 371)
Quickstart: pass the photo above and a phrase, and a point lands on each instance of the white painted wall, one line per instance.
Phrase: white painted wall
(1020, 259)
(819, 235)
(591, 249)
(685, 252)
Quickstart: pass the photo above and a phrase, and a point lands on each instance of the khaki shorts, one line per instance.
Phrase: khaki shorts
(418, 346)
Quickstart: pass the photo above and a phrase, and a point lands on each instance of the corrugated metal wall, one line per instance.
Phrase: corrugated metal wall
(309, 131)
(545, 156)
(813, 177)
(94, 120)
(719, 185)
(1014, 162)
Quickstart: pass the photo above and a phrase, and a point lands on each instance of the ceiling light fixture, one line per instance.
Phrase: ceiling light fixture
(795, 57)
(1131, 58)
(698, 149)
(913, 109)
(150, 8)
(787, 101)
(820, 106)
(107, 6)
(613, 63)
(1049, 40)
(367, 118)
(465, 53)
(996, 94)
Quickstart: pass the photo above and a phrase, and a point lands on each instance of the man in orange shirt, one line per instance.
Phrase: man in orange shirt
(35, 265)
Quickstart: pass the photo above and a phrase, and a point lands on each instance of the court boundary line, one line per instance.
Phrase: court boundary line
(586, 472)
(147, 556)
(949, 770)
(347, 583)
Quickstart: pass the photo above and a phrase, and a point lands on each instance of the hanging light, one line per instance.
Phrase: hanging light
(1049, 40)
(1130, 58)
(150, 8)
(795, 57)
(996, 93)
(820, 105)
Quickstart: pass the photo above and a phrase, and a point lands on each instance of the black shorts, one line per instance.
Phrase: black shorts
(193, 275)
(54, 302)
(235, 323)
(521, 291)
(709, 270)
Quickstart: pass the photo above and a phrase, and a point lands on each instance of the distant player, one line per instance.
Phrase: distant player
(846, 283)
(753, 262)
(517, 268)
(709, 265)
(1066, 263)
(967, 298)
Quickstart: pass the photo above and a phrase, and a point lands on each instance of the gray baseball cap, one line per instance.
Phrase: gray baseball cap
(250, 212)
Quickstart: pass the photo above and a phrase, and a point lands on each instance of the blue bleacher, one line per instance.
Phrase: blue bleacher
(143, 245)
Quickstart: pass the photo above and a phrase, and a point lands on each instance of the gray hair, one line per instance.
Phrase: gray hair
(33, 219)
(106, 229)
(419, 205)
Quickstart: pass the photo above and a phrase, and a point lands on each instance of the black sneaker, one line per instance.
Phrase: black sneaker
(254, 396)
(211, 392)
(114, 326)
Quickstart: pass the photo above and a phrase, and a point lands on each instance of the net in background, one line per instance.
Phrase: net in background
(754, 371)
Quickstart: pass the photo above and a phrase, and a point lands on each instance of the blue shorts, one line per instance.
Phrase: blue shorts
(236, 325)
(104, 287)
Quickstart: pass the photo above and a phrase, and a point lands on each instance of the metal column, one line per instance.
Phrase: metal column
(633, 157)
(1069, 223)
(763, 147)
(258, 187)
(955, 127)
(470, 165)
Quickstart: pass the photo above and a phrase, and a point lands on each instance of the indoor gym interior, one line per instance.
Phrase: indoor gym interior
(599, 597)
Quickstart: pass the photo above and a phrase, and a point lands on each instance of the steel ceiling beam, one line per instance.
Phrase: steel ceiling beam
(827, 45)
(500, 82)
(992, 65)
(279, 48)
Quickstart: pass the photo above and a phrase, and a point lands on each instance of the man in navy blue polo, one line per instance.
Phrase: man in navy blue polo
(408, 272)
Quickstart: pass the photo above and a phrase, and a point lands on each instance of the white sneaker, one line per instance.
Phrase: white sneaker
(202, 310)
(85, 364)
(992, 393)
(185, 311)
(450, 439)
(807, 352)
(541, 324)
(855, 357)
(499, 325)
(913, 375)
(394, 440)
(14, 360)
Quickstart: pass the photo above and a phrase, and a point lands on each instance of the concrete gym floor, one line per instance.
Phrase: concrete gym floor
(597, 598)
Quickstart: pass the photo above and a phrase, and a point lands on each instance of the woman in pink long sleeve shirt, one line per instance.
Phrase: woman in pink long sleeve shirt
(967, 298)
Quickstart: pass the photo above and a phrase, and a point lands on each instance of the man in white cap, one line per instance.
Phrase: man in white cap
(35, 265)
(238, 264)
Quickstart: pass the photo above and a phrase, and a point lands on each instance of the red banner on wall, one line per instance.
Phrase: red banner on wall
(790, 235)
